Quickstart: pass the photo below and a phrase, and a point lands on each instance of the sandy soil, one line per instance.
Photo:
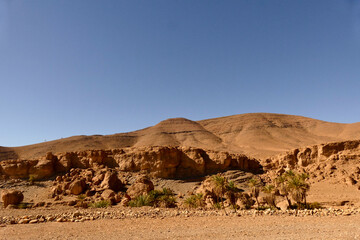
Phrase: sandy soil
(264, 227)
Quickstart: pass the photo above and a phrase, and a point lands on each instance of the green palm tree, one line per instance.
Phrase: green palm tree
(220, 188)
(270, 195)
(254, 184)
(283, 187)
(297, 186)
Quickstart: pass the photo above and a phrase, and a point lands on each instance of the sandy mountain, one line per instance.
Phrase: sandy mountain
(265, 134)
(256, 134)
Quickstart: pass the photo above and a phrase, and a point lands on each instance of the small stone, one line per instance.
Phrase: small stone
(24, 221)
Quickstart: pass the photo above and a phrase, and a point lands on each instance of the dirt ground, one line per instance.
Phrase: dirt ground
(260, 227)
(192, 227)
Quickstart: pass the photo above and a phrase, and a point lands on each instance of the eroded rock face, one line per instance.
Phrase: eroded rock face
(41, 169)
(12, 197)
(338, 161)
(163, 162)
(316, 154)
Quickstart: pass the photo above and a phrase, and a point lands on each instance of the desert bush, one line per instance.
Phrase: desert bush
(32, 178)
(155, 198)
(101, 204)
(81, 197)
(24, 205)
(195, 201)
(217, 205)
(164, 198)
(140, 201)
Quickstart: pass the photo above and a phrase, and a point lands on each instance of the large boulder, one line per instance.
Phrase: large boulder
(77, 187)
(111, 181)
(42, 169)
(12, 197)
(143, 185)
(109, 195)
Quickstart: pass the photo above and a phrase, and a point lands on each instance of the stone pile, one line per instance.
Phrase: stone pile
(96, 185)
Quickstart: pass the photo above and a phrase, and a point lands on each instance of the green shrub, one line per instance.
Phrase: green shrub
(32, 178)
(142, 200)
(166, 201)
(101, 204)
(24, 205)
(156, 198)
(81, 197)
(195, 201)
(217, 205)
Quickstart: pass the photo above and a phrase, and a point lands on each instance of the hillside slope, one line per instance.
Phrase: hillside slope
(256, 134)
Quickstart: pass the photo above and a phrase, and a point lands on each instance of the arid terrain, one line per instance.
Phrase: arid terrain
(255, 134)
(63, 180)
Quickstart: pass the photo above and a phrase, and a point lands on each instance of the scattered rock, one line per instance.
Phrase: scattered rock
(13, 197)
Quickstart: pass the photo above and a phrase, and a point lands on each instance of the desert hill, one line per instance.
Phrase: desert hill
(256, 134)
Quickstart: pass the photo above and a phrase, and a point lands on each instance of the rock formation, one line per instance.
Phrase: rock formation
(11, 197)
(163, 162)
(339, 161)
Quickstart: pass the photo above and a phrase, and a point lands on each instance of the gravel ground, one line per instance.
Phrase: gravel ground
(208, 227)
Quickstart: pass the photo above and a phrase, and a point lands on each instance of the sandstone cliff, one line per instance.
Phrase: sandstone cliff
(163, 162)
(338, 161)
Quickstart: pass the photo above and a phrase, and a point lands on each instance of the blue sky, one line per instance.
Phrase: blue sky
(88, 67)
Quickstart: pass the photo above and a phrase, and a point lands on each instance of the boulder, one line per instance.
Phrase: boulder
(111, 181)
(77, 187)
(143, 185)
(12, 197)
(207, 188)
(42, 169)
(108, 194)
(283, 205)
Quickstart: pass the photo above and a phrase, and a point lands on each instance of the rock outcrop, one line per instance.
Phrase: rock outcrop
(11, 197)
(339, 161)
(163, 162)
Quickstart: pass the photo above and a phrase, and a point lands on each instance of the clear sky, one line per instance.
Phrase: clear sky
(76, 67)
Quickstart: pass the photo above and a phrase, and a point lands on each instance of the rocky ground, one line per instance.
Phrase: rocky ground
(55, 220)
(175, 224)
(63, 206)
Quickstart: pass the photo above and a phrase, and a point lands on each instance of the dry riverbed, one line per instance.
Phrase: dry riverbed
(209, 227)
(152, 223)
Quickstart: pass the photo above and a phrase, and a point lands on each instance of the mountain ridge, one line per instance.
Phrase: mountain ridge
(259, 135)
